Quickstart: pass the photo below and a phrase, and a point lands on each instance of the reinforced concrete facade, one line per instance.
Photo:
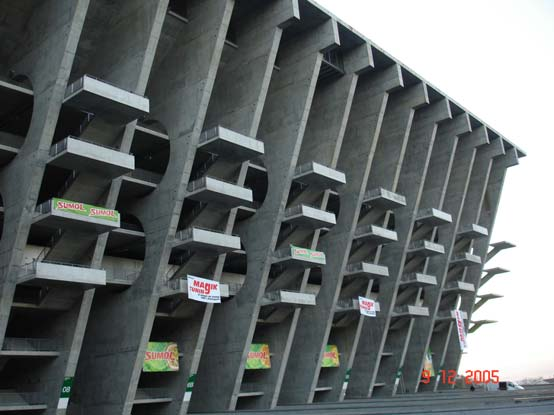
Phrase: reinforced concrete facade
(263, 144)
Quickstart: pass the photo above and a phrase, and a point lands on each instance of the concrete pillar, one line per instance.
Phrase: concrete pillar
(281, 128)
(358, 148)
(179, 101)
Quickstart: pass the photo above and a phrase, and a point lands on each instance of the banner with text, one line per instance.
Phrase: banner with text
(258, 357)
(308, 254)
(461, 330)
(428, 363)
(367, 307)
(203, 290)
(330, 356)
(85, 210)
(161, 357)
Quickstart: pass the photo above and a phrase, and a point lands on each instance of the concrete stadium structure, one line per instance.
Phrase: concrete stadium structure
(142, 141)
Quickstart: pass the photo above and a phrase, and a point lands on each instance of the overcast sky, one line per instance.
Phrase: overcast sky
(496, 58)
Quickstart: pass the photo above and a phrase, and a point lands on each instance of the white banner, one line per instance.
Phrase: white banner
(201, 289)
(461, 330)
(367, 307)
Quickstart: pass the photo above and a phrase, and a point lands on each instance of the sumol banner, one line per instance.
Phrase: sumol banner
(330, 356)
(83, 209)
(367, 307)
(258, 357)
(203, 290)
(460, 328)
(161, 357)
(304, 253)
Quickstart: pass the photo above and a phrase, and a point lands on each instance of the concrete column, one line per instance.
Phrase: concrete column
(281, 128)
(444, 333)
(457, 184)
(433, 194)
(486, 219)
(411, 177)
(179, 100)
(360, 140)
(54, 26)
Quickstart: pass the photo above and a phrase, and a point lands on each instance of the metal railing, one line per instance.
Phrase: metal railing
(297, 209)
(153, 393)
(30, 268)
(62, 145)
(208, 134)
(201, 182)
(187, 233)
(19, 398)
(30, 344)
(424, 244)
(44, 207)
(146, 175)
(67, 184)
(78, 84)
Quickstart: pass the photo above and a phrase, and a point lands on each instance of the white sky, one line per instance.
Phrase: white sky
(496, 58)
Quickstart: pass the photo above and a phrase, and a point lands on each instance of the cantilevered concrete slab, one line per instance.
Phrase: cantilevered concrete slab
(465, 259)
(213, 190)
(366, 270)
(473, 231)
(78, 154)
(375, 234)
(418, 279)
(105, 100)
(384, 199)
(230, 144)
(49, 273)
(309, 217)
(288, 298)
(318, 175)
(433, 217)
(425, 248)
(206, 240)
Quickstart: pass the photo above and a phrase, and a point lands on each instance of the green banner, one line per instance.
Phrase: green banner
(161, 357)
(83, 209)
(304, 253)
(66, 392)
(330, 356)
(258, 357)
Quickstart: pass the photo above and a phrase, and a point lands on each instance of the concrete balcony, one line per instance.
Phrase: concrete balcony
(410, 311)
(245, 212)
(53, 273)
(230, 145)
(151, 396)
(106, 101)
(375, 235)
(366, 270)
(211, 190)
(459, 287)
(11, 401)
(288, 298)
(417, 279)
(210, 241)
(433, 217)
(309, 217)
(449, 315)
(473, 231)
(319, 176)
(425, 248)
(66, 214)
(30, 347)
(465, 259)
(139, 183)
(74, 153)
(348, 305)
(297, 257)
(383, 199)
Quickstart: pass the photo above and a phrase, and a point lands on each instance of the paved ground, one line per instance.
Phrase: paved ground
(535, 400)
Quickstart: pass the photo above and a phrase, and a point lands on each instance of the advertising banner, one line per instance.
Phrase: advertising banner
(161, 357)
(428, 363)
(304, 253)
(203, 290)
(330, 356)
(85, 210)
(367, 307)
(461, 330)
(258, 357)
